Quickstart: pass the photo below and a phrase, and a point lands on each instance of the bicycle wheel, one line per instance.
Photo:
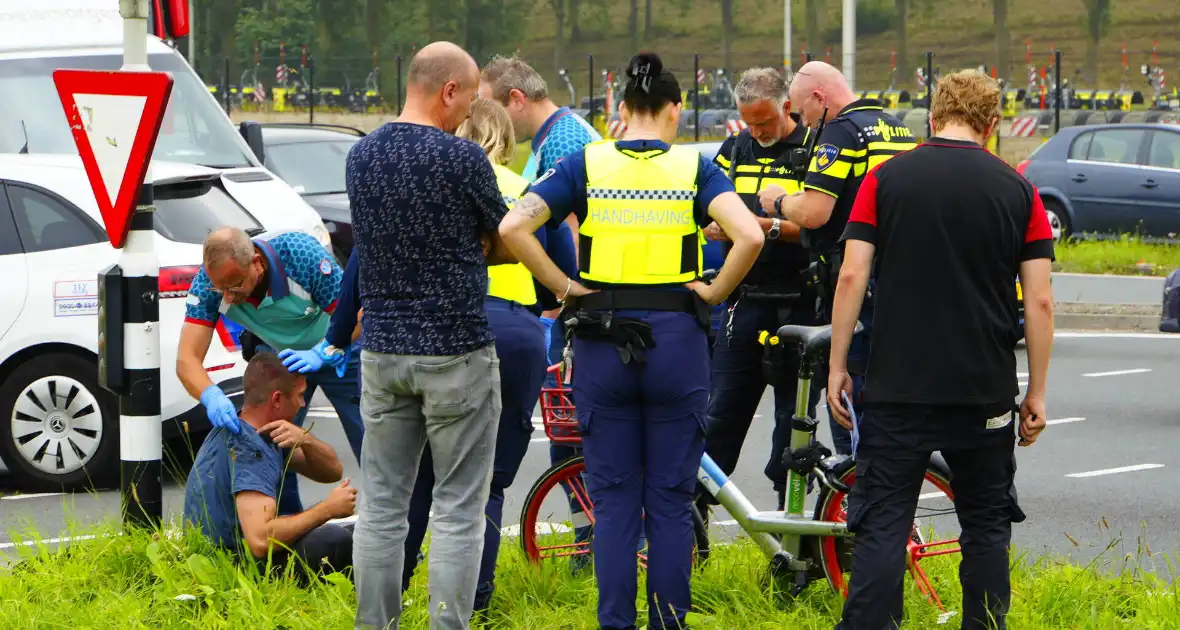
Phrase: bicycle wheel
(700, 535)
(560, 526)
(835, 552)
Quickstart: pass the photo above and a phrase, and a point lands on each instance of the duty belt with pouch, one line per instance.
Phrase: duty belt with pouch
(592, 317)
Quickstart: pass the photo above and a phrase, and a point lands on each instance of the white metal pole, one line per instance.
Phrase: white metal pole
(140, 430)
(849, 43)
(787, 36)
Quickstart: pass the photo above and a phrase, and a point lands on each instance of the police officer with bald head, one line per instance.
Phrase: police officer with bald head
(858, 135)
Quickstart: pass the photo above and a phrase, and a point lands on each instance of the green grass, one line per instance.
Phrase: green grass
(1126, 255)
(145, 580)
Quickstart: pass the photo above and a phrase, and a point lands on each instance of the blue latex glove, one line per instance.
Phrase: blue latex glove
(219, 409)
(313, 360)
(547, 322)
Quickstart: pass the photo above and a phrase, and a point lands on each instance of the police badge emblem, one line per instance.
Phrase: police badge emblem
(825, 156)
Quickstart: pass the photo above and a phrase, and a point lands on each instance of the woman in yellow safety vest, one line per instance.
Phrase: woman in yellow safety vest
(520, 344)
(642, 378)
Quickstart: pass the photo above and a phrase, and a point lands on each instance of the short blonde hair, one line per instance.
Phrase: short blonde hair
(505, 74)
(490, 127)
(969, 97)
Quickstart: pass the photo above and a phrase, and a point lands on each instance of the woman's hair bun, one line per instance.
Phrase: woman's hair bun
(644, 68)
(648, 64)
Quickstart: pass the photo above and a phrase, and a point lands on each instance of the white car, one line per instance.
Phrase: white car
(40, 36)
(58, 427)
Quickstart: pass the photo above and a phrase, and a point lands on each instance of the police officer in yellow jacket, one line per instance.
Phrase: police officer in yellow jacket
(641, 375)
(857, 136)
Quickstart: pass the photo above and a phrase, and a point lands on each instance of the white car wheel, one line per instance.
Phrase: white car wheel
(58, 427)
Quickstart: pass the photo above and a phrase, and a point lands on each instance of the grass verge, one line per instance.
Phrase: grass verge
(145, 580)
(1125, 255)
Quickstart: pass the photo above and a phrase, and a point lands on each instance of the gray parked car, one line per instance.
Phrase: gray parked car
(1109, 179)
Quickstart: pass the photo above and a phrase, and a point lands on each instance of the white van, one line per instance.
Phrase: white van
(40, 36)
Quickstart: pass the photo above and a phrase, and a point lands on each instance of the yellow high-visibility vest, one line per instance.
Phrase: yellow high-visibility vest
(639, 227)
(511, 282)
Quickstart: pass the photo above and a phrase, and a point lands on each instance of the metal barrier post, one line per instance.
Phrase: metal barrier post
(399, 85)
(1057, 91)
(225, 86)
(696, 98)
(929, 91)
(311, 89)
(590, 81)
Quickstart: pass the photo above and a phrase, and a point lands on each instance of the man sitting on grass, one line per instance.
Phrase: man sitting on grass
(234, 484)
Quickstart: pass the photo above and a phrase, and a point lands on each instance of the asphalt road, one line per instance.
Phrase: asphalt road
(1110, 454)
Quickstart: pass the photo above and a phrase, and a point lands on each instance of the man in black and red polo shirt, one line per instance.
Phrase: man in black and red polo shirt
(948, 226)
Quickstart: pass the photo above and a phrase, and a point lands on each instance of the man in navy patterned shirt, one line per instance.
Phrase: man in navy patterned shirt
(422, 202)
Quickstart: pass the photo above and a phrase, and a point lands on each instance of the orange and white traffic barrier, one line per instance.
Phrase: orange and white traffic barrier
(735, 126)
(1023, 127)
(615, 128)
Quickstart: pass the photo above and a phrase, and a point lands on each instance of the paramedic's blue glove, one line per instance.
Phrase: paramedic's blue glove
(547, 322)
(306, 361)
(219, 409)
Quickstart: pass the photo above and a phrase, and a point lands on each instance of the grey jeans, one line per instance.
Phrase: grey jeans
(454, 403)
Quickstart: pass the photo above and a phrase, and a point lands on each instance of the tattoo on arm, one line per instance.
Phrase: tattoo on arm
(530, 206)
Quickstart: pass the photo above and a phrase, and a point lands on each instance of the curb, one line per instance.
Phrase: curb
(1106, 321)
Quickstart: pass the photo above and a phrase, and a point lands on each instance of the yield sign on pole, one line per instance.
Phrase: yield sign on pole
(115, 118)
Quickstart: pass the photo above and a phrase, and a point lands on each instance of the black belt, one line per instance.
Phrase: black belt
(591, 316)
(638, 300)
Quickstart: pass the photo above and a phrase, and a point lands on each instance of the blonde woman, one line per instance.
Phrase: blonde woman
(513, 307)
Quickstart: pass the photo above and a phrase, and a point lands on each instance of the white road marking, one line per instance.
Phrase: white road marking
(35, 495)
(321, 414)
(47, 541)
(1064, 420)
(1119, 372)
(1114, 471)
(1113, 335)
(171, 533)
(931, 495)
(331, 409)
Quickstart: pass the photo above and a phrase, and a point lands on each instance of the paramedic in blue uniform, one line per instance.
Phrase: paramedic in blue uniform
(282, 288)
(642, 381)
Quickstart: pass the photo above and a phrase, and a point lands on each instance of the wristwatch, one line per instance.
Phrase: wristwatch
(332, 351)
(778, 204)
(775, 228)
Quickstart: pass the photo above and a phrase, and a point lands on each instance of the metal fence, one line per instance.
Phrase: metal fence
(1038, 99)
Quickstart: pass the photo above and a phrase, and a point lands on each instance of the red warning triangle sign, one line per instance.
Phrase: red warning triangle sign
(115, 119)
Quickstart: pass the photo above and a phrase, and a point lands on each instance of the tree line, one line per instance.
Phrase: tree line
(345, 35)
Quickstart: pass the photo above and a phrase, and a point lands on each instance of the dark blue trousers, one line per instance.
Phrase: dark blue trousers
(643, 436)
(739, 381)
(520, 345)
